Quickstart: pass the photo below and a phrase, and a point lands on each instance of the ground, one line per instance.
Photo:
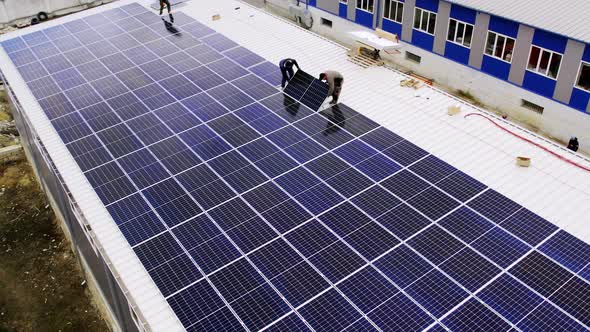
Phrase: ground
(41, 285)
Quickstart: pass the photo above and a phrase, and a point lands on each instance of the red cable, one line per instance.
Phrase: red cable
(529, 141)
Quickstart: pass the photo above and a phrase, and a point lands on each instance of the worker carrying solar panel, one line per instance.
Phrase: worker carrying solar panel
(286, 66)
(335, 81)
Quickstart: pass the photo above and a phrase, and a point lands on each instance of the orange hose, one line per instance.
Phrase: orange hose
(529, 141)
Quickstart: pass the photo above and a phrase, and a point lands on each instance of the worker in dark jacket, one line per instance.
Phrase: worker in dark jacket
(286, 66)
(335, 81)
(166, 3)
(573, 144)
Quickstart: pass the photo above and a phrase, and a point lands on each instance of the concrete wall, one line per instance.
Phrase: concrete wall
(107, 294)
(20, 12)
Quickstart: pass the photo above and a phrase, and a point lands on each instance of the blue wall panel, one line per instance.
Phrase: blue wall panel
(422, 40)
(393, 27)
(457, 53)
(580, 99)
(312, 2)
(431, 5)
(364, 18)
(549, 41)
(463, 14)
(495, 67)
(586, 56)
(342, 9)
(503, 26)
(539, 84)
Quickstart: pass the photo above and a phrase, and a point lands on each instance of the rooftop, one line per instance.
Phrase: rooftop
(550, 190)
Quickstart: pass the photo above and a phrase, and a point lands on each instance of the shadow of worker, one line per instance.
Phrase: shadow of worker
(170, 26)
(336, 120)
(291, 106)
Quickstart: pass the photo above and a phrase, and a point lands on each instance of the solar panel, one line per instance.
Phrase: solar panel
(310, 91)
(248, 208)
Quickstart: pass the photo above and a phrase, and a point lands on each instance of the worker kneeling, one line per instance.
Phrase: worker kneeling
(335, 81)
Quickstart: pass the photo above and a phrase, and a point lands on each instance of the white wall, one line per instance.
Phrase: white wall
(558, 121)
(13, 11)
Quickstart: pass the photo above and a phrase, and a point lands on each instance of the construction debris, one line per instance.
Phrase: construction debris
(410, 83)
(454, 110)
(523, 161)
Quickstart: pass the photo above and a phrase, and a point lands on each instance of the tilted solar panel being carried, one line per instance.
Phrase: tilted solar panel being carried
(308, 90)
(250, 210)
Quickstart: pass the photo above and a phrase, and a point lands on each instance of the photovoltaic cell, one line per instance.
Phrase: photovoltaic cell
(474, 316)
(510, 298)
(117, 81)
(400, 313)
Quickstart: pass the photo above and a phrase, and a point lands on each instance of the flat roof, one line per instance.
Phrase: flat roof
(551, 188)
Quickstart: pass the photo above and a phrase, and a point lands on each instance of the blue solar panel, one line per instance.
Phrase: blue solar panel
(470, 269)
(567, 250)
(548, 318)
(200, 160)
(436, 244)
(403, 266)
(474, 316)
(329, 312)
(466, 224)
(551, 279)
(437, 293)
(400, 314)
(569, 297)
(510, 298)
(368, 289)
(501, 247)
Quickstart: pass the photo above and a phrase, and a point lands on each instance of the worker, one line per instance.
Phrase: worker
(162, 3)
(286, 66)
(335, 81)
(573, 144)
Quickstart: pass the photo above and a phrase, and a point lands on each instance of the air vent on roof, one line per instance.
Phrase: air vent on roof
(413, 57)
(532, 106)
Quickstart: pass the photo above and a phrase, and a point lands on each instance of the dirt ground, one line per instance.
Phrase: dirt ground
(41, 284)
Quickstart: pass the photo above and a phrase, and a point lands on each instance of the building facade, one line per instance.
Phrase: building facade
(537, 76)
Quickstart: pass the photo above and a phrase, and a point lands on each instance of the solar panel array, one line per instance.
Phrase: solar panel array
(249, 210)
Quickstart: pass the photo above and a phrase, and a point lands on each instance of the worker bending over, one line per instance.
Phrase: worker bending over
(334, 80)
(286, 66)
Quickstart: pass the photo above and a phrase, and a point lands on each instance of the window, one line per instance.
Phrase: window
(365, 5)
(460, 33)
(584, 77)
(500, 46)
(424, 20)
(394, 10)
(544, 62)
(413, 57)
(532, 106)
(326, 22)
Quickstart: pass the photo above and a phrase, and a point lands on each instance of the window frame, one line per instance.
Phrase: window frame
(427, 21)
(397, 5)
(536, 71)
(464, 32)
(493, 55)
(576, 85)
(365, 2)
